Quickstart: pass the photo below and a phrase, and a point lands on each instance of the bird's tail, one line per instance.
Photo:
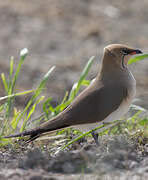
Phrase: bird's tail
(49, 126)
(33, 133)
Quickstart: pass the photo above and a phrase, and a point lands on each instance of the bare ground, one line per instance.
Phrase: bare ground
(117, 157)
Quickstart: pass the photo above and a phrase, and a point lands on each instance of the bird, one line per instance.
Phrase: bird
(106, 99)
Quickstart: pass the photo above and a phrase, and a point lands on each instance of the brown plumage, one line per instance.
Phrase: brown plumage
(106, 99)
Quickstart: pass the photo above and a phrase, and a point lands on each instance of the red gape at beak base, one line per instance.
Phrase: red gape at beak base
(132, 53)
(136, 51)
(125, 59)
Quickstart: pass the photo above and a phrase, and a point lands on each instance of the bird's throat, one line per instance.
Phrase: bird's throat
(123, 63)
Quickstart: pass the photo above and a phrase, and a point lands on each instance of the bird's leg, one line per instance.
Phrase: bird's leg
(95, 136)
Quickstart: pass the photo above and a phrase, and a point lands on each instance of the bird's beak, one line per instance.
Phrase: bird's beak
(136, 51)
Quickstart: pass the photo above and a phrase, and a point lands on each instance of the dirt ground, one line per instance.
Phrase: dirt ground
(66, 33)
(117, 157)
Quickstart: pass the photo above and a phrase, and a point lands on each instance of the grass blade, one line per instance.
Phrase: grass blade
(137, 58)
(17, 94)
(30, 113)
(23, 55)
(81, 136)
(84, 73)
(11, 67)
(4, 81)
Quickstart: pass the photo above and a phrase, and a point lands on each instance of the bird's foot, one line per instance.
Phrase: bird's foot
(95, 136)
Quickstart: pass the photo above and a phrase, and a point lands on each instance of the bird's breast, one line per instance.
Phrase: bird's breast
(131, 87)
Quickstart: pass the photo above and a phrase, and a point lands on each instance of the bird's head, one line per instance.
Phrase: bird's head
(121, 53)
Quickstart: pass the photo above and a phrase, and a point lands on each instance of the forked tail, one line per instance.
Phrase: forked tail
(49, 126)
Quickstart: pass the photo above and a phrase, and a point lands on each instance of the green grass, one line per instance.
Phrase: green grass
(11, 117)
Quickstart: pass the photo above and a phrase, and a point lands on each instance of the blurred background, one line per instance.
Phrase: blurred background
(66, 33)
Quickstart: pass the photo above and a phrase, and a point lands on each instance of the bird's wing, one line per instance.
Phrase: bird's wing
(96, 104)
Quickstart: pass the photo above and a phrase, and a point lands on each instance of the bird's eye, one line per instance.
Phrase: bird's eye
(125, 52)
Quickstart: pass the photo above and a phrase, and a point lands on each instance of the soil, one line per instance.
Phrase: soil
(116, 157)
(66, 33)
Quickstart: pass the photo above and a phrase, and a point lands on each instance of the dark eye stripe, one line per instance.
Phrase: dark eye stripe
(125, 52)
